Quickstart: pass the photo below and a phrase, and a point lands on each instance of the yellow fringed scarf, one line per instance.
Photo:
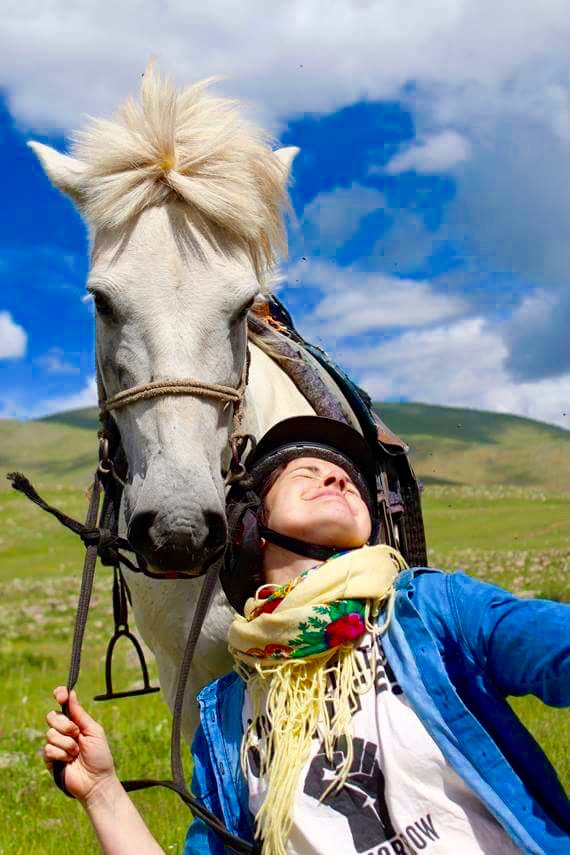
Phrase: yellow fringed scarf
(295, 650)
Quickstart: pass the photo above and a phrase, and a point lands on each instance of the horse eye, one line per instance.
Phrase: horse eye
(239, 316)
(102, 305)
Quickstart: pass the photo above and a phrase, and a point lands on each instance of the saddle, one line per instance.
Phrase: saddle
(333, 394)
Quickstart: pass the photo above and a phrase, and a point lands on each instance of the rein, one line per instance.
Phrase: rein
(99, 534)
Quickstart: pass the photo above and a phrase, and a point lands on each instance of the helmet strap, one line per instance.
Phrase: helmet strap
(299, 547)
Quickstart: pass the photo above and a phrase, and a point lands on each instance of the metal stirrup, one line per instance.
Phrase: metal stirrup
(121, 617)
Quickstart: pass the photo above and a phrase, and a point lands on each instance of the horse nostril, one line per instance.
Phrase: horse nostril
(217, 531)
(138, 532)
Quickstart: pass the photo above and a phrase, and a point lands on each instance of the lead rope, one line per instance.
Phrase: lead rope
(177, 784)
(83, 603)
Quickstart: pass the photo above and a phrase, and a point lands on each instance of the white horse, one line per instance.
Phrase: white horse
(184, 203)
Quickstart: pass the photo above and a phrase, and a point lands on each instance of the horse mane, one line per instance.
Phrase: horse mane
(190, 145)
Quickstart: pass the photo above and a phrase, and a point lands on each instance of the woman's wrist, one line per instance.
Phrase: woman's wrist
(118, 825)
(104, 794)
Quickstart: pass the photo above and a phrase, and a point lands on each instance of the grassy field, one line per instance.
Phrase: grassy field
(515, 536)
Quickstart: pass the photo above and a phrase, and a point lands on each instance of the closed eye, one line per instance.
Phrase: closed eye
(315, 472)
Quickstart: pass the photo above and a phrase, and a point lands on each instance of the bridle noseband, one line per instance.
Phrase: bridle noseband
(161, 388)
(237, 441)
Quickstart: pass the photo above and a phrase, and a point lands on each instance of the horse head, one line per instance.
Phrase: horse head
(183, 199)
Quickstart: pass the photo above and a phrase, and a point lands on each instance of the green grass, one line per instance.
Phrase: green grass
(32, 543)
(50, 453)
(516, 537)
(37, 619)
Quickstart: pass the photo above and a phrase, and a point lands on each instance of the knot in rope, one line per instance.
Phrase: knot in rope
(238, 445)
(105, 541)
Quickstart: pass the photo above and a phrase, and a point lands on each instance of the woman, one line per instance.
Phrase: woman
(367, 712)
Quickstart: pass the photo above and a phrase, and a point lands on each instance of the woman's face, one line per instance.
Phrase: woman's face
(317, 502)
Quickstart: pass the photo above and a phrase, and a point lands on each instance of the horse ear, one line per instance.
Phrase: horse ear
(65, 172)
(286, 156)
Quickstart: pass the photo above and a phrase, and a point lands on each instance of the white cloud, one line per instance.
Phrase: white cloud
(333, 218)
(356, 301)
(53, 362)
(14, 407)
(11, 409)
(459, 364)
(496, 73)
(13, 338)
(437, 153)
(62, 60)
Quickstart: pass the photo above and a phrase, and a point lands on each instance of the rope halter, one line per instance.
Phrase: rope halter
(217, 391)
(160, 388)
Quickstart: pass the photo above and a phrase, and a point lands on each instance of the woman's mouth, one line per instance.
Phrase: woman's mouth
(334, 494)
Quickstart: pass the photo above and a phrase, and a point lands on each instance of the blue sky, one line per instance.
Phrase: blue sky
(430, 250)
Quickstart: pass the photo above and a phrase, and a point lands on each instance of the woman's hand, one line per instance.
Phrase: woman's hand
(79, 742)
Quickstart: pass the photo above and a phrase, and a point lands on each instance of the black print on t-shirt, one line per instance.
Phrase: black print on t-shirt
(361, 800)
(384, 681)
(253, 755)
(385, 677)
(415, 837)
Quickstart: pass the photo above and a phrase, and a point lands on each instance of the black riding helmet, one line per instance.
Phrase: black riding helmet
(301, 436)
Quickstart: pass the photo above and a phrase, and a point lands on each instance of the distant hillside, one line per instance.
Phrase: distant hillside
(448, 445)
(49, 452)
(87, 418)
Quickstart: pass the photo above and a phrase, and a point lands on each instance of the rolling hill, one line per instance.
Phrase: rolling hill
(448, 446)
(459, 446)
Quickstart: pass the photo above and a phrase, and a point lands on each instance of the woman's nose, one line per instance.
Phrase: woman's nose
(335, 478)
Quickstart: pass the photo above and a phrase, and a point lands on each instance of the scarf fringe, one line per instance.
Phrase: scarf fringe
(293, 700)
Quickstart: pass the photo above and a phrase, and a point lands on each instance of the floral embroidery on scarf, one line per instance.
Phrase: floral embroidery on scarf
(341, 622)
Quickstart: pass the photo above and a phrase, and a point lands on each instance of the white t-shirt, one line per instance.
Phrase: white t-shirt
(401, 797)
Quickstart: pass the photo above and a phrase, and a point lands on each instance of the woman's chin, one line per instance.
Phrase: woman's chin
(331, 524)
(333, 534)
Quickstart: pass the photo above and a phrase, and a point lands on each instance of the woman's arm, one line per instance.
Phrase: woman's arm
(80, 742)
(522, 644)
(118, 824)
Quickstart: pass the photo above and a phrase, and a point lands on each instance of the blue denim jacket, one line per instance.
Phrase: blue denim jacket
(458, 647)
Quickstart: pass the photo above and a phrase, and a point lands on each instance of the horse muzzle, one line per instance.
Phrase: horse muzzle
(175, 519)
(179, 545)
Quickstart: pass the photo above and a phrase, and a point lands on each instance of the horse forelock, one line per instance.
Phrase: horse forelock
(190, 145)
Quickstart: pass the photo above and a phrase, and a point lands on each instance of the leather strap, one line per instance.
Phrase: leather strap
(178, 784)
(81, 615)
(299, 547)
